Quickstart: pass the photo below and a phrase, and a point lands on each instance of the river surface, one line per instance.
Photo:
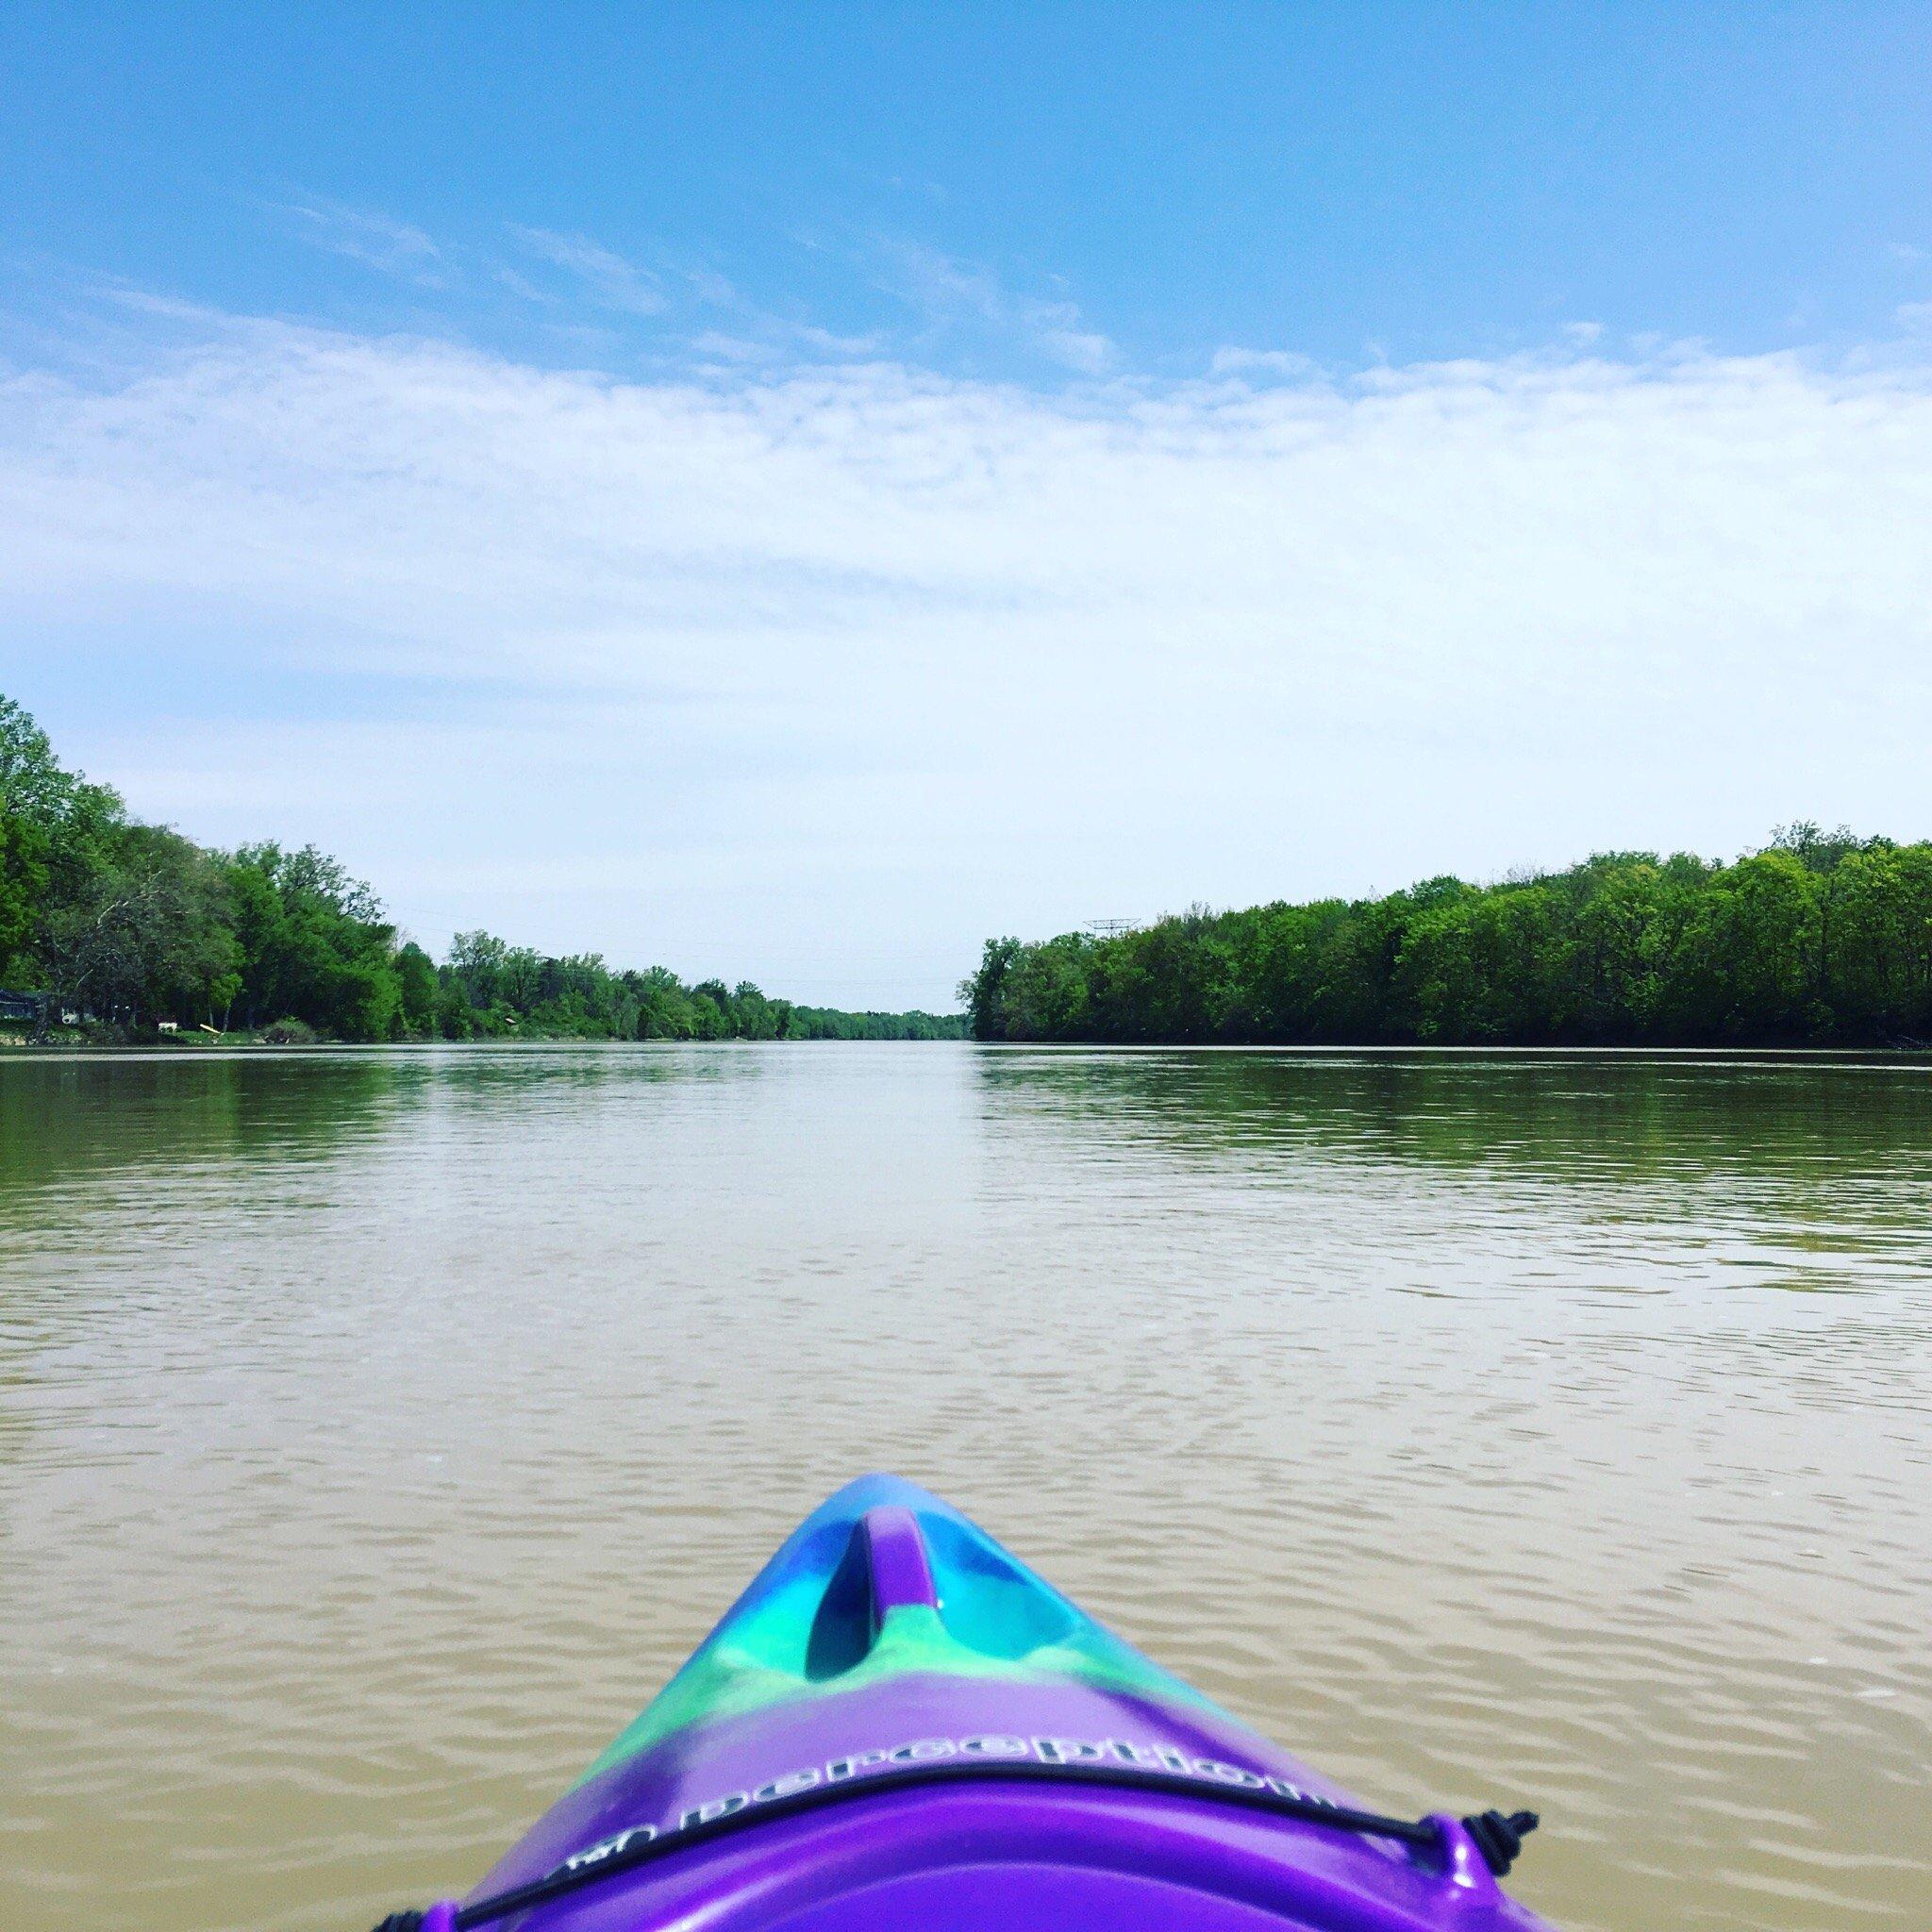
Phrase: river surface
(378, 1430)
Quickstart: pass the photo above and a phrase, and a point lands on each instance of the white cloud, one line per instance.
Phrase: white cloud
(945, 290)
(816, 673)
(716, 345)
(367, 235)
(604, 274)
(1232, 361)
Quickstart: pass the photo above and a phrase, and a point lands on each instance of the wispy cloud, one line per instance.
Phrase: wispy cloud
(761, 333)
(944, 289)
(376, 240)
(607, 277)
(719, 346)
(1280, 363)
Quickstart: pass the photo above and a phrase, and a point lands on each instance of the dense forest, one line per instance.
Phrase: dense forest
(129, 926)
(1820, 939)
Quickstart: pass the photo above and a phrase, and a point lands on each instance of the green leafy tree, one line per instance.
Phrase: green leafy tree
(72, 828)
(1046, 989)
(33, 783)
(1876, 915)
(985, 993)
(1821, 936)
(664, 1008)
(1749, 958)
(1483, 967)
(23, 886)
(418, 989)
(314, 944)
(752, 1016)
(150, 936)
(711, 1010)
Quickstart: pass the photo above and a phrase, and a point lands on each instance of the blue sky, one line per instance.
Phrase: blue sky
(1351, 183)
(789, 490)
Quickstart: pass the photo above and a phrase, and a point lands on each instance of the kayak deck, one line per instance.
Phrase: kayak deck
(899, 1724)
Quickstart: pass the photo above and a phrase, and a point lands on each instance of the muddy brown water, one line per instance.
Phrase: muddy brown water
(378, 1430)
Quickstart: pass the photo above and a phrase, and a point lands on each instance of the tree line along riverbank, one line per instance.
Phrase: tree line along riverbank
(113, 928)
(1819, 940)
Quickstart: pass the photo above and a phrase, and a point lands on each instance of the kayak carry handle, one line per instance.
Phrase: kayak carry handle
(1498, 1837)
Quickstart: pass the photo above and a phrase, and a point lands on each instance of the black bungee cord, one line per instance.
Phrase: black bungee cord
(1498, 1837)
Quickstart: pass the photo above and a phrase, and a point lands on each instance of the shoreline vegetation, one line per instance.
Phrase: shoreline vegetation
(1818, 940)
(114, 931)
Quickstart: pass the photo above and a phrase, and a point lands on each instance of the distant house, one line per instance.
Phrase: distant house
(21, 1006)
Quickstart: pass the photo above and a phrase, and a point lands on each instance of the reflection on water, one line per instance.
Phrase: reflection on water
(377, 1430)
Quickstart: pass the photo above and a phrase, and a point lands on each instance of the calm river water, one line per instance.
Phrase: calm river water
(378, 1430)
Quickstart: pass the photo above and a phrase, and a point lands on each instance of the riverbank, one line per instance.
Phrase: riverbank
(144, 930)
(1818, 940)
(77, 1043)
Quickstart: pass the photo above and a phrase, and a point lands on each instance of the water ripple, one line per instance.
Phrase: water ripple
(378, 1430)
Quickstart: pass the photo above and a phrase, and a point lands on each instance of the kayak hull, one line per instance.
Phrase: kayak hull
(899, 1724)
